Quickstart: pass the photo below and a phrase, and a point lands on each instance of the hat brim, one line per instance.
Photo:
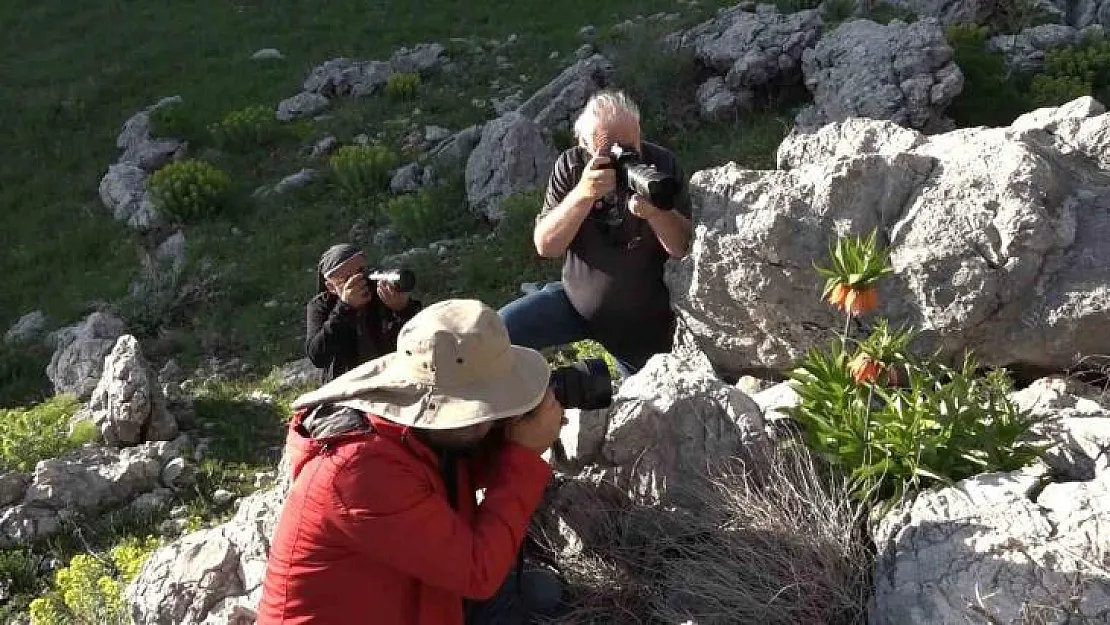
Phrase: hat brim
(383, 387)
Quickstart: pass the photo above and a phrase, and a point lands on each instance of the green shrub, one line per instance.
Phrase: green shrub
(90, 590)
(178, 120)
(1014, 16)
(518, 222)
(991, 95)
(1073, 72)
(563, 139)
(363, 170)
(1057, 90)
(28, 435)
(18, 567)
(837, 11)
(427, 216)
(793, 6)
(190, 190)
(248, 128)
(22, 373)
(885, 13)
(662, 82)
(402, 86)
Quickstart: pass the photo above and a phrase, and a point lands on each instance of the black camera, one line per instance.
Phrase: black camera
(401, 279)
(585, 385)
(635, 176)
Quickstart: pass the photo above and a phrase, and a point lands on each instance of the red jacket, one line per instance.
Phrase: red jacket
(367, 535)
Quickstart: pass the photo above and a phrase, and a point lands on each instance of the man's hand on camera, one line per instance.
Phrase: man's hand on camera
(355, 291)
(393, 298)
(639, 206)
(539, 429)
(598, 179)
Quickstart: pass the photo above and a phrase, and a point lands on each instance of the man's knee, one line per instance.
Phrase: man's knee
(542, 591)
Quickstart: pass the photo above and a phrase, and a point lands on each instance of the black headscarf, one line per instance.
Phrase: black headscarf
(334, 257)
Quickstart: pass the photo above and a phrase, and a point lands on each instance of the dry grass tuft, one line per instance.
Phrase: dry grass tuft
(776, 542)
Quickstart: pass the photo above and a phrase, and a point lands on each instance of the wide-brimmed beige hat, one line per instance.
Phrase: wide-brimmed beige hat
(454, 366)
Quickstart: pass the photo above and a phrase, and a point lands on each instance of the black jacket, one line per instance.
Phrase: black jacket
(331, 340)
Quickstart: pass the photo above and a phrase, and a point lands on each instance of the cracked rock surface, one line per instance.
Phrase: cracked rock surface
(997, 546)
(998, 237)
(211, 576)
(904, 73)
(513, 156)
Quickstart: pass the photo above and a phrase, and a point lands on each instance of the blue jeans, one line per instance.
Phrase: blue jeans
(546, 318)
(539, 594)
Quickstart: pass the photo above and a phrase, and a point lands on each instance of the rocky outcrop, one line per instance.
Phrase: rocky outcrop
(1009, 547)
(304, 104)
(85, 481)
(127, 405)
(213, 575)
(1077, 417)
(1025, 51)
(899, 72)
(79, 353)
(750, 51)
(343, 77)
(123, 191)
(668, 423)
(27, 328)
(140, 148)
(1006, 547)
(557, 103)
(513, 156)
(996, 236)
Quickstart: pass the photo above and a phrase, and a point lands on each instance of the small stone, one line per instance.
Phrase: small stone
(177, 473)
(324, 146)
(295, 181)
(170, 528)
(435, 134)
(587, 31)
(222, 497)
(554, 55)
(27, 328)
(267, 54)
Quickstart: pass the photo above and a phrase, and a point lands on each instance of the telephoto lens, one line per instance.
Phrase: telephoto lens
(635, 176)
(585, 385)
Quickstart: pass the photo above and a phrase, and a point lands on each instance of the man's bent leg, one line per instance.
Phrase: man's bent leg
(539, 594)
(543, 318)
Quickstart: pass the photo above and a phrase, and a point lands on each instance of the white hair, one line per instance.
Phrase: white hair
(604, 106)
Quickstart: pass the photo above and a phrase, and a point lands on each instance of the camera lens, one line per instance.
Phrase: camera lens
(585, 385)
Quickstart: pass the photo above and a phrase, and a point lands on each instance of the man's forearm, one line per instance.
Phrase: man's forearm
(673, 230)
(554, 232)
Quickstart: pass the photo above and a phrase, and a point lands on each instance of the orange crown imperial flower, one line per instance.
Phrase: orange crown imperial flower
(857, 265)
(865, 369)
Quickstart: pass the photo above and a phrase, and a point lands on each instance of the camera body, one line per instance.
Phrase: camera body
(403, 280)
(585, 385)
(636, 176)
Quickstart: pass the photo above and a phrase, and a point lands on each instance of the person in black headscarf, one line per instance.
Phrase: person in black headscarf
(348, 322)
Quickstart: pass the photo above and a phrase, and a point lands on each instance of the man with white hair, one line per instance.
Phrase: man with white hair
(615, 245)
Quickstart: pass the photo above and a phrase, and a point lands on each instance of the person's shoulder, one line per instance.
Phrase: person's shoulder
(576, 156)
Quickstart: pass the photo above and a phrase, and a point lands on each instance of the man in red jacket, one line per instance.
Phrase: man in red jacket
(381, 523)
